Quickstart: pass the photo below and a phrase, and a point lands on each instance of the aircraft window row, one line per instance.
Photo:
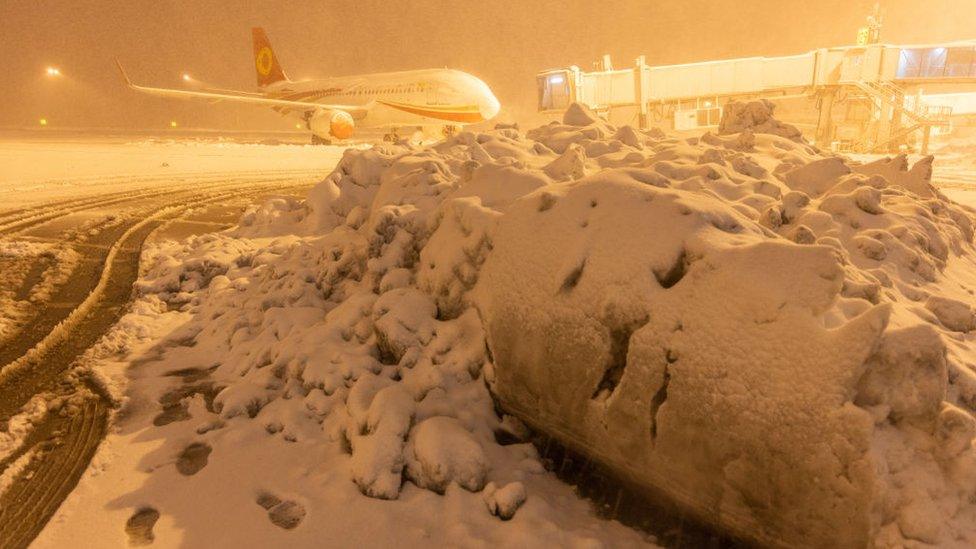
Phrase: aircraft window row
(375, 91)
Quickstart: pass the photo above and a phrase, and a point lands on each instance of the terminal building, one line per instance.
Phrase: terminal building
(867, 98)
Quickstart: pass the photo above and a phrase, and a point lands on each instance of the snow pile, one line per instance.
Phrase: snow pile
(755, 116)
(321, 352)
(29, 273)
(776, 339)
(18, 427)
(793, 392)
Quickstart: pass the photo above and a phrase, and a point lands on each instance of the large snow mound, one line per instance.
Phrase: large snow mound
(777, 339)
(756, 116)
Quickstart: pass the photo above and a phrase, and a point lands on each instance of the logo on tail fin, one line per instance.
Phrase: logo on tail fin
(265, 60)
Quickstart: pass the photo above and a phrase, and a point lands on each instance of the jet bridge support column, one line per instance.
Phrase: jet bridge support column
(926, 135)
(897, 129)
(640, 92)
(825, 123)
(885, 131)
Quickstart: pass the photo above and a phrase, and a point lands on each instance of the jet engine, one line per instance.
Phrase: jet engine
(336, 124)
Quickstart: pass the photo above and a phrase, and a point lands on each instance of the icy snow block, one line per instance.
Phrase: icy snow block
(569, 166)
(505, 501)
(440, 451)
(955, 430)
(629, 136)
(817, 177)
(896, 172)
(377, 450)
(757, 116)
(907, 374)
(402, 319)
(578, 115)
(450, 259)
(954, 315)
(691, 361)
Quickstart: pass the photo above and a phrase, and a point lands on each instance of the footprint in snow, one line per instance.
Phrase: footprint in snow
(193, 458)
(175, 401)
(284, 514)
(140, 526)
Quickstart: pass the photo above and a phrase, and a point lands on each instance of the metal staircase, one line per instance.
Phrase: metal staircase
(896, 117)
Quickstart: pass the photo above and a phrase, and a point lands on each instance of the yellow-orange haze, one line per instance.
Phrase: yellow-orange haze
(503, 41)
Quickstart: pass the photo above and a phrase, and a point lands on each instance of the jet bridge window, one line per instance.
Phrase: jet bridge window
(909, 63)
(935, 62)
(959, 62)
(555, 91)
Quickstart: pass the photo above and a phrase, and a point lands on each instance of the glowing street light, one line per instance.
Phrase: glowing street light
(186, 77)
(53, 72)
(42, 121)
(172, 124)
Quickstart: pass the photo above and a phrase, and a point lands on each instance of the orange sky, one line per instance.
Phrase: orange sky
(503, 41)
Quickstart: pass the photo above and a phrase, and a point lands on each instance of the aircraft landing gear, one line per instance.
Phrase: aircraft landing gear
(449, 131)
(317, 140)
(392, 137)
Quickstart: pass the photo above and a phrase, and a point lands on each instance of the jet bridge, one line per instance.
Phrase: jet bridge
(860, 98)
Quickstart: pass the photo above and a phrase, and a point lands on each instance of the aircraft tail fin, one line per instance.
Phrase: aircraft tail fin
(125, 77)
(265, 61)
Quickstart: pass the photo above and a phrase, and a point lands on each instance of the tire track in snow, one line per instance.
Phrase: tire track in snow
(86, 275)
(68, 436)
(22, 219)
(53, 472)
(139, 185)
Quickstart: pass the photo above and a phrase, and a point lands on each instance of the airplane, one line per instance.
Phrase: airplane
(333, 108)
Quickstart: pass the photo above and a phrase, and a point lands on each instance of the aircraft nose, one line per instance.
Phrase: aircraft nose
(489, 107)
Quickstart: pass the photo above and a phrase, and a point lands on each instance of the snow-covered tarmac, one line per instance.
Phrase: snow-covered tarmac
(74, 213)
(213, 476)
(41, 170)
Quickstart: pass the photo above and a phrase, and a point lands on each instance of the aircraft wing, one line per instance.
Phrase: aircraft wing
(240, 97)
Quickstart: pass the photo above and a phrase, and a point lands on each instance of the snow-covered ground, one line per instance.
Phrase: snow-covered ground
(955, 169)
(40, 170)
(781, 340)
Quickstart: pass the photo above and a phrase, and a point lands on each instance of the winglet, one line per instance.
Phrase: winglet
(125, 77)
